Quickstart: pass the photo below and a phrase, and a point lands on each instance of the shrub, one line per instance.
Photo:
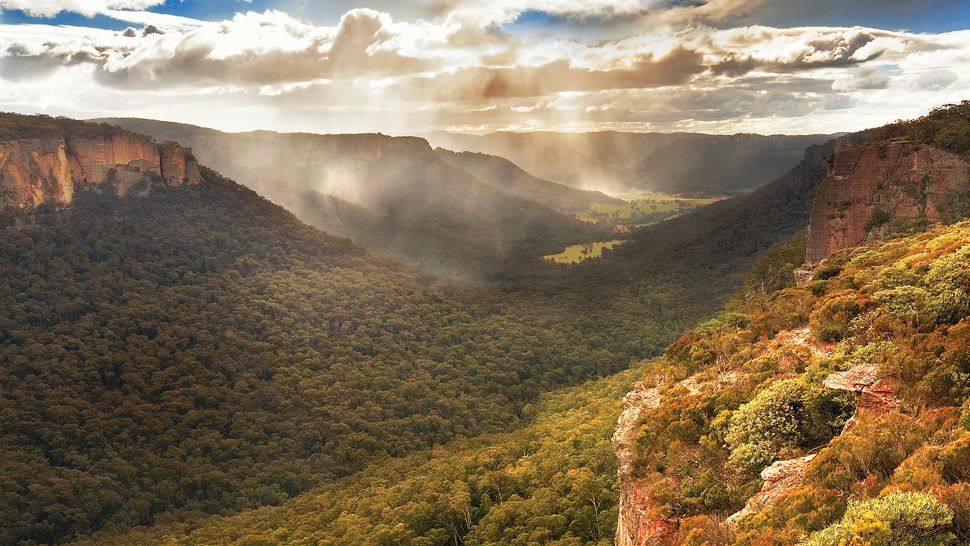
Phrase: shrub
(898, 519)
(949, 281)
(909, 304)
(827, 270)
(831, 321)
(785, 309)
(805, 509)
(871, 449)
(878, 218)
(787, 414)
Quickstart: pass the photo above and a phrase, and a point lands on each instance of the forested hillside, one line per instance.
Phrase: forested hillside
(397, 195)
(508, 177)
(552, 480)
(701, 256)
(199, 350)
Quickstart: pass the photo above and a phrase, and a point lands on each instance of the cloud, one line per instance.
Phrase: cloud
(252, 48)
(464, 68)
(50, 8)
(676, 67)
(746, 49)
(863, 78)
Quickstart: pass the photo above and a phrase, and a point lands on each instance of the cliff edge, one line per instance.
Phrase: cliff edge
(46, 161)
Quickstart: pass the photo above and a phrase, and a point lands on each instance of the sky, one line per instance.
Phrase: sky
(410, 67)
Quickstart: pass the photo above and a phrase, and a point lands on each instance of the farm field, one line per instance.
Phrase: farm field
(577, 253)
(645, 208)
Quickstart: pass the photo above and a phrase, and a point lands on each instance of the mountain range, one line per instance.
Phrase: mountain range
(454, 214)
(185, 361)
(678, 163)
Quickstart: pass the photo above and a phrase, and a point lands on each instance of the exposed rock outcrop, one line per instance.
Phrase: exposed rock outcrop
(639, 523)
(33, 172)
(873, 189)
(779, 478)
(876, 395)
(49, 168)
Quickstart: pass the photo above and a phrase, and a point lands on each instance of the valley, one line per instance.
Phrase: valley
(818, 402)
(470, 216)
(522, 336)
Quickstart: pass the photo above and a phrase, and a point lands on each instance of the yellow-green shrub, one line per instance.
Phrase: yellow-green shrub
(898, 519)
(787, 414)
(831, 321)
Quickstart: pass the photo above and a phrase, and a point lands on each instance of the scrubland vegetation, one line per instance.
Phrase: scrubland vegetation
(897, 474)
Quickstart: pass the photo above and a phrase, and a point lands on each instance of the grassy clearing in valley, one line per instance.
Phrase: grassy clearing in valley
(643, 208)
(574, 254)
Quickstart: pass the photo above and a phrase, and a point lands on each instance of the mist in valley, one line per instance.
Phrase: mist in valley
(484, 272)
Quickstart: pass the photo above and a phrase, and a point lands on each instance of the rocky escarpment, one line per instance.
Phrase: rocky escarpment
(876, 188)
(639, 521)
(48, 166)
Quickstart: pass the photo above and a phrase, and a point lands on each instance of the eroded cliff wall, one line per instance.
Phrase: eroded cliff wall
(49, 168)
(874, 189)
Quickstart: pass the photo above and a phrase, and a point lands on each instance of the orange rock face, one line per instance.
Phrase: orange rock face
(48, 171)
(178, 165)
(640, 523)
(95, 158)
(34, 172)
(874, 189)
(876, 396)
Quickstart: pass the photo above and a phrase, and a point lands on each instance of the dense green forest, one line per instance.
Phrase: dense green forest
(202, 351)
(553, 481)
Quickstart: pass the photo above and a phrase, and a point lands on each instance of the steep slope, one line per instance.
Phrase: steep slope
(508, 177)
(430, 212)
(662, 162)
(748, 416)
(553, 479)
(804, 414)
(904, 178)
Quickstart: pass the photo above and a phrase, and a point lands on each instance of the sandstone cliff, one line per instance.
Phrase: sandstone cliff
(877, 188)
(48, 166)
(640, 522)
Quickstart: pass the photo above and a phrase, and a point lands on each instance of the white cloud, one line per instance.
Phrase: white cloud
(50, 8)
(370, 72)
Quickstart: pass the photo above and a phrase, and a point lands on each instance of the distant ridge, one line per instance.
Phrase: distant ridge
(661, 162)
(403, 199)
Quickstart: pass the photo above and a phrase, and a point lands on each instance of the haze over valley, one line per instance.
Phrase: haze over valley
(467, 272)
